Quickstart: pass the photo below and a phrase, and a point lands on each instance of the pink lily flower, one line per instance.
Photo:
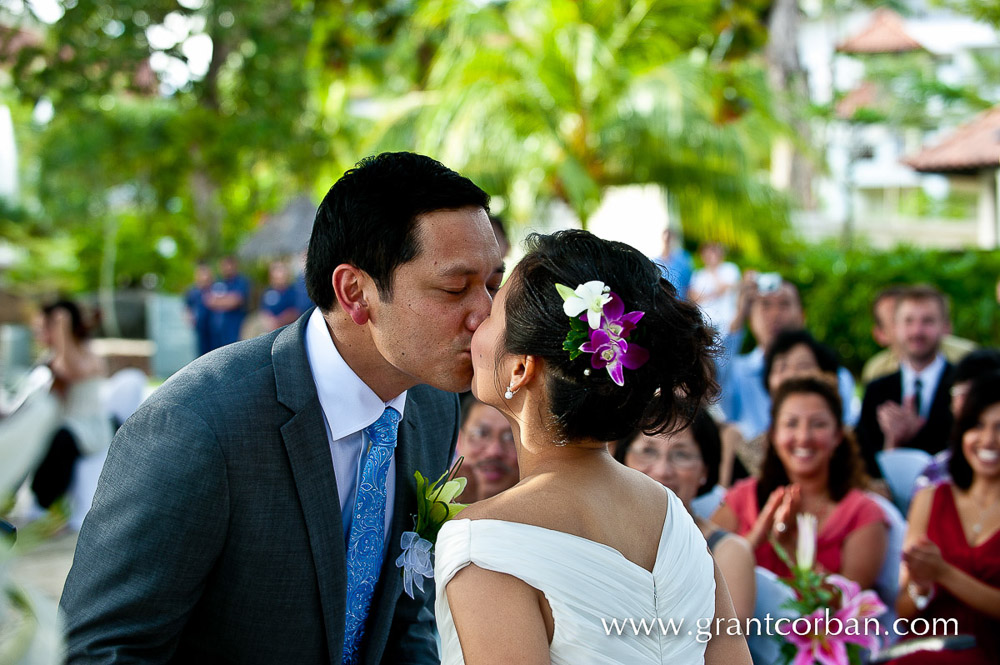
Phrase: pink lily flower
(819, 647)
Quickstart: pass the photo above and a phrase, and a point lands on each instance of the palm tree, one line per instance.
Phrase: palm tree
(562, 99)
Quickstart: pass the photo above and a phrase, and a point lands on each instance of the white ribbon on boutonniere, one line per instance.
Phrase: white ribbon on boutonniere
(435, 506)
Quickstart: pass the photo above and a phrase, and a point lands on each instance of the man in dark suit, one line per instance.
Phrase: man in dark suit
(251, 510)
(910, 408)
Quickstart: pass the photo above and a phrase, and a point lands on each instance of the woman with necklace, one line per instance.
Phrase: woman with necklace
(812, 465)
(951, 555)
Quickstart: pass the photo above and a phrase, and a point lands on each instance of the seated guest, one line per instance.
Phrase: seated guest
(975, 364)
(487, 443)
(793, 353)
(886, 362)
(772, 306)
(951, 556)
(910, 408)
(687, 462)
(811, 466)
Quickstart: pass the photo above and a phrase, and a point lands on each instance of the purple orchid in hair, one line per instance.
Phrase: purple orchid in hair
(616, 322)
(614, 354)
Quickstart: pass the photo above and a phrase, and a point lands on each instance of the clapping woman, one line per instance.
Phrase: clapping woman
(951, 555)
(811, 465)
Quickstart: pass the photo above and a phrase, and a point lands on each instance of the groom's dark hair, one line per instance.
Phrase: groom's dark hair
(368, 218)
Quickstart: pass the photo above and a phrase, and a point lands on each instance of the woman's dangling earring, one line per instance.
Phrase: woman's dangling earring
(509, 394)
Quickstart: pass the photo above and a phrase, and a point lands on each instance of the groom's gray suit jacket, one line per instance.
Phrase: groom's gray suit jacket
(216, 532)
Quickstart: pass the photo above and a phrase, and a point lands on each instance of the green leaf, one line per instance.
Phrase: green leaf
(565, 291)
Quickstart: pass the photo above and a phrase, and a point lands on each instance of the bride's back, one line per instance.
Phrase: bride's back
(596, 499)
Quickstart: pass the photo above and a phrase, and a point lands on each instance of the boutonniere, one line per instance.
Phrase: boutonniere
(435, 506)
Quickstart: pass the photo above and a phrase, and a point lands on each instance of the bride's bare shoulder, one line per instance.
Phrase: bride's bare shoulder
(509, 506)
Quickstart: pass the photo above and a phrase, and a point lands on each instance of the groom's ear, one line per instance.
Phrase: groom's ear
(349, 286)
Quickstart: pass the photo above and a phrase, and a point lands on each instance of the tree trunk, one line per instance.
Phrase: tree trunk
(788, 80)
(208, 211)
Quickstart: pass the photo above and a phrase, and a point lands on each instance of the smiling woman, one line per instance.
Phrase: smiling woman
(951, 553)
(812, 465)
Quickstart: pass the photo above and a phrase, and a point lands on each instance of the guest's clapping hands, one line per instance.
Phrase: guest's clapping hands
(899, 422)
(923, 560)
(777, 517)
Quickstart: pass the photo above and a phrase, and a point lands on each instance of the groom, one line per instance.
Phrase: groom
(251, 510)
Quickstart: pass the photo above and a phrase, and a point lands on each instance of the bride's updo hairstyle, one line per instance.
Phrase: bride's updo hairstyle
(664, 393)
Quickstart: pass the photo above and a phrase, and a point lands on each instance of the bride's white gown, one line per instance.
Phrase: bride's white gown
(586, 582)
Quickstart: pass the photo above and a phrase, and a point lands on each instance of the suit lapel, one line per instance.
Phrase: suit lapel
(309, 457)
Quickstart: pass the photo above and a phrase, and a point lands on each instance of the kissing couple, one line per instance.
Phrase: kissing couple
(252, 510)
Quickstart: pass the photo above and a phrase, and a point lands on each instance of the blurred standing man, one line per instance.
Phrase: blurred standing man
(487, 443)
(198, 313)
(227, 302)
(252, 509)
(675, 262)
(911, 407)
(279, 302)
(886, 362)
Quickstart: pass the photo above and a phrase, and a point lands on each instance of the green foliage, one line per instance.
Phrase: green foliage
(838, 288)
(987, 11)
(122, 164)
(560, 100)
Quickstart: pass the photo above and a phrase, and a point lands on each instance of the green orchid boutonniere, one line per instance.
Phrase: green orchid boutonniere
(435, 506)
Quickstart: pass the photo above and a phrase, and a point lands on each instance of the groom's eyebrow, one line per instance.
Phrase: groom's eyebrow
(460, 270)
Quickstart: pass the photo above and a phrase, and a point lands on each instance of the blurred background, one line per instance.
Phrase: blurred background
(846, 144)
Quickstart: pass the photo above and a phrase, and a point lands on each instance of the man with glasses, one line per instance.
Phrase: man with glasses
(487, 443)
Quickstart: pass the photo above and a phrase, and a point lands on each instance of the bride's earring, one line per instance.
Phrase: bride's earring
(509, 394)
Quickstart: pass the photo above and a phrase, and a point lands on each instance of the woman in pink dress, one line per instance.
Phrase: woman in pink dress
(812, 465)
(951, 555)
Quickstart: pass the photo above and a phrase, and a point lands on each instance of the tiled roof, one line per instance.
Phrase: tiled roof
(884, 34)
(974, 145)
(866, 96)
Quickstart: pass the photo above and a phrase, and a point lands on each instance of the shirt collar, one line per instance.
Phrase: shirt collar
(347, 401)
(929, 376)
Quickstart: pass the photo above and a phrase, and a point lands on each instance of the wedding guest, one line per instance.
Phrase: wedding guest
(715, 287)
(675, 262)
(951, 555)
(975, 364)
(278, 303)
(769, 305)
(197, 312)
(85, 425)
(486, 441)
(793, 353)
(227, 301)
(687, 462)
(812, 465)
(886, 361)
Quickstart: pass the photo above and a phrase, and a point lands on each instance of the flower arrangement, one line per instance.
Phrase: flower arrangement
(435, 506)
(600, 326)
(836, 609)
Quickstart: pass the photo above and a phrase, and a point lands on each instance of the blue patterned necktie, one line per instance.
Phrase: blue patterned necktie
(364, 546)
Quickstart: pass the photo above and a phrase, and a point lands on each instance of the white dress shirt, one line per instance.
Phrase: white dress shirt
(929, 378)
(349, 406)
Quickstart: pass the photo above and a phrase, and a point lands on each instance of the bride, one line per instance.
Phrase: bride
(584, 560)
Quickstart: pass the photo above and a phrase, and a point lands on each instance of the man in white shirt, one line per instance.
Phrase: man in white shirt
(910, 408)
(252, 510)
